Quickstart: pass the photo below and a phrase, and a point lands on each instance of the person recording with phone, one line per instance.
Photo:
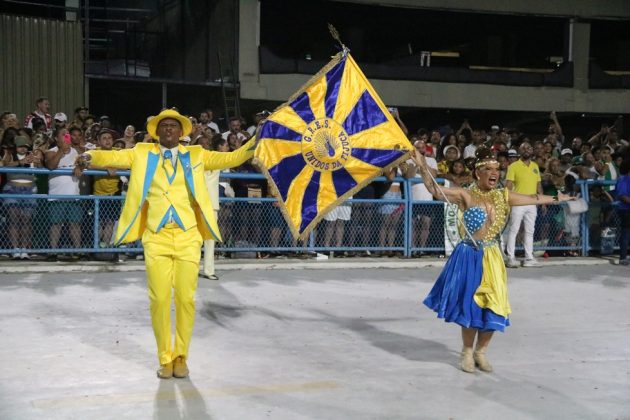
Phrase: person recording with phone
(20, 210)
(396, 115)
(63, 156)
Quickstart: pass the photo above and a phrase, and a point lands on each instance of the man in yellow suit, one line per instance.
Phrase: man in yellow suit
(168, 206)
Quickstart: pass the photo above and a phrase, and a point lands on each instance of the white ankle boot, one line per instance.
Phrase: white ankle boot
(480, 359)
(467, 363)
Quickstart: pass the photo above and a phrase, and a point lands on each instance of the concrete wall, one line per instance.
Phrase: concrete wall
(458, 95)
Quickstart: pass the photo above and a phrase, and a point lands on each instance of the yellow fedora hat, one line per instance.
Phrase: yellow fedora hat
(169, 113)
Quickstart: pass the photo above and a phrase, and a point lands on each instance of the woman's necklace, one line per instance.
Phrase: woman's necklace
(497, 209)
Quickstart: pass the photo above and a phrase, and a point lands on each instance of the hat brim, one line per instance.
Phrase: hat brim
(172, 114)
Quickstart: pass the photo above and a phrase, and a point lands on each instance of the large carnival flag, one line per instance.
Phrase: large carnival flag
(329, 140)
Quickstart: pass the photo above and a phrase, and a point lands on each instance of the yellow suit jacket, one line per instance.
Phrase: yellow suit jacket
(145, 162)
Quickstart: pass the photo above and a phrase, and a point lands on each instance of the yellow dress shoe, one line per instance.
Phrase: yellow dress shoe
(165, 371)
(180, 369)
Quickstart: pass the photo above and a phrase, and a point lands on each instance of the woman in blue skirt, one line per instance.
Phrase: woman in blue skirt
(472, 289)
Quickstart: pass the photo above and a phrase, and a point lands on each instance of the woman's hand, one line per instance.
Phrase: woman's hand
(28, 159)
(81, 163)
(419, 159)
(7, 157)
(565, 197)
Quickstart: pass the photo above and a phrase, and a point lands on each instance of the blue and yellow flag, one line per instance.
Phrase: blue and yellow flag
(328, 141)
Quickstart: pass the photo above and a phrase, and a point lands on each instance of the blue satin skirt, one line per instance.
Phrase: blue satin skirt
(452, 294)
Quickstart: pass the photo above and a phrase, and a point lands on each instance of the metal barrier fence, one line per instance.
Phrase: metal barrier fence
(54, 224)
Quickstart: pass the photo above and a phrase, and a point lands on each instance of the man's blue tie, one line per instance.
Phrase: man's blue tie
(168, 164)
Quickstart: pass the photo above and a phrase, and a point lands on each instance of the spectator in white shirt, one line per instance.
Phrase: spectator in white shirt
(477, 140)
(205, 118)
(419, 192)
(63, 156)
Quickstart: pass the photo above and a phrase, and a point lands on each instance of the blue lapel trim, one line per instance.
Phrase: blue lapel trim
(184, 159)
(152, 162)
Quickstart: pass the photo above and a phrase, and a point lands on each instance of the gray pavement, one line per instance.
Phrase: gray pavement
(314, 344)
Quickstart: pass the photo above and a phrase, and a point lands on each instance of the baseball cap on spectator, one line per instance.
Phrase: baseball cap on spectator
(80, 108)
(512, 153)
(185, 139)
(264, 113)
(114, 134)
(21, 141)
(566, 152)
(495, 128)
(60, 116)
(578, 160)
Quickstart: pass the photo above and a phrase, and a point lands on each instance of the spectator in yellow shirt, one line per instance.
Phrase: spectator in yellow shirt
(451, 154)
(109, 210)
(523, 177)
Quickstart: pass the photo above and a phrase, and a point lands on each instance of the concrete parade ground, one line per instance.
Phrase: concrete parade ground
(342, 343)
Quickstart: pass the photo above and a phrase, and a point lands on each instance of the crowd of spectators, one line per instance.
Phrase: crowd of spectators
(54, 142)
(560, 161)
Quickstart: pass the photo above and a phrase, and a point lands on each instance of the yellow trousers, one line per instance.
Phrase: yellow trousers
(172, 263)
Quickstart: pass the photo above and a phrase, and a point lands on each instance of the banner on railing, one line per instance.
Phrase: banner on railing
(451, 228)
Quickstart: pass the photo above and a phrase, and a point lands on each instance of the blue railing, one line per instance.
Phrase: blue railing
(250, 224)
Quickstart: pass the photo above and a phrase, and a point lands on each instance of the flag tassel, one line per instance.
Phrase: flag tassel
(335, 34)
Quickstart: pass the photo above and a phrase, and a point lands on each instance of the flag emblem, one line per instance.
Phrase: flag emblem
(328, 141)
(325, 145)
